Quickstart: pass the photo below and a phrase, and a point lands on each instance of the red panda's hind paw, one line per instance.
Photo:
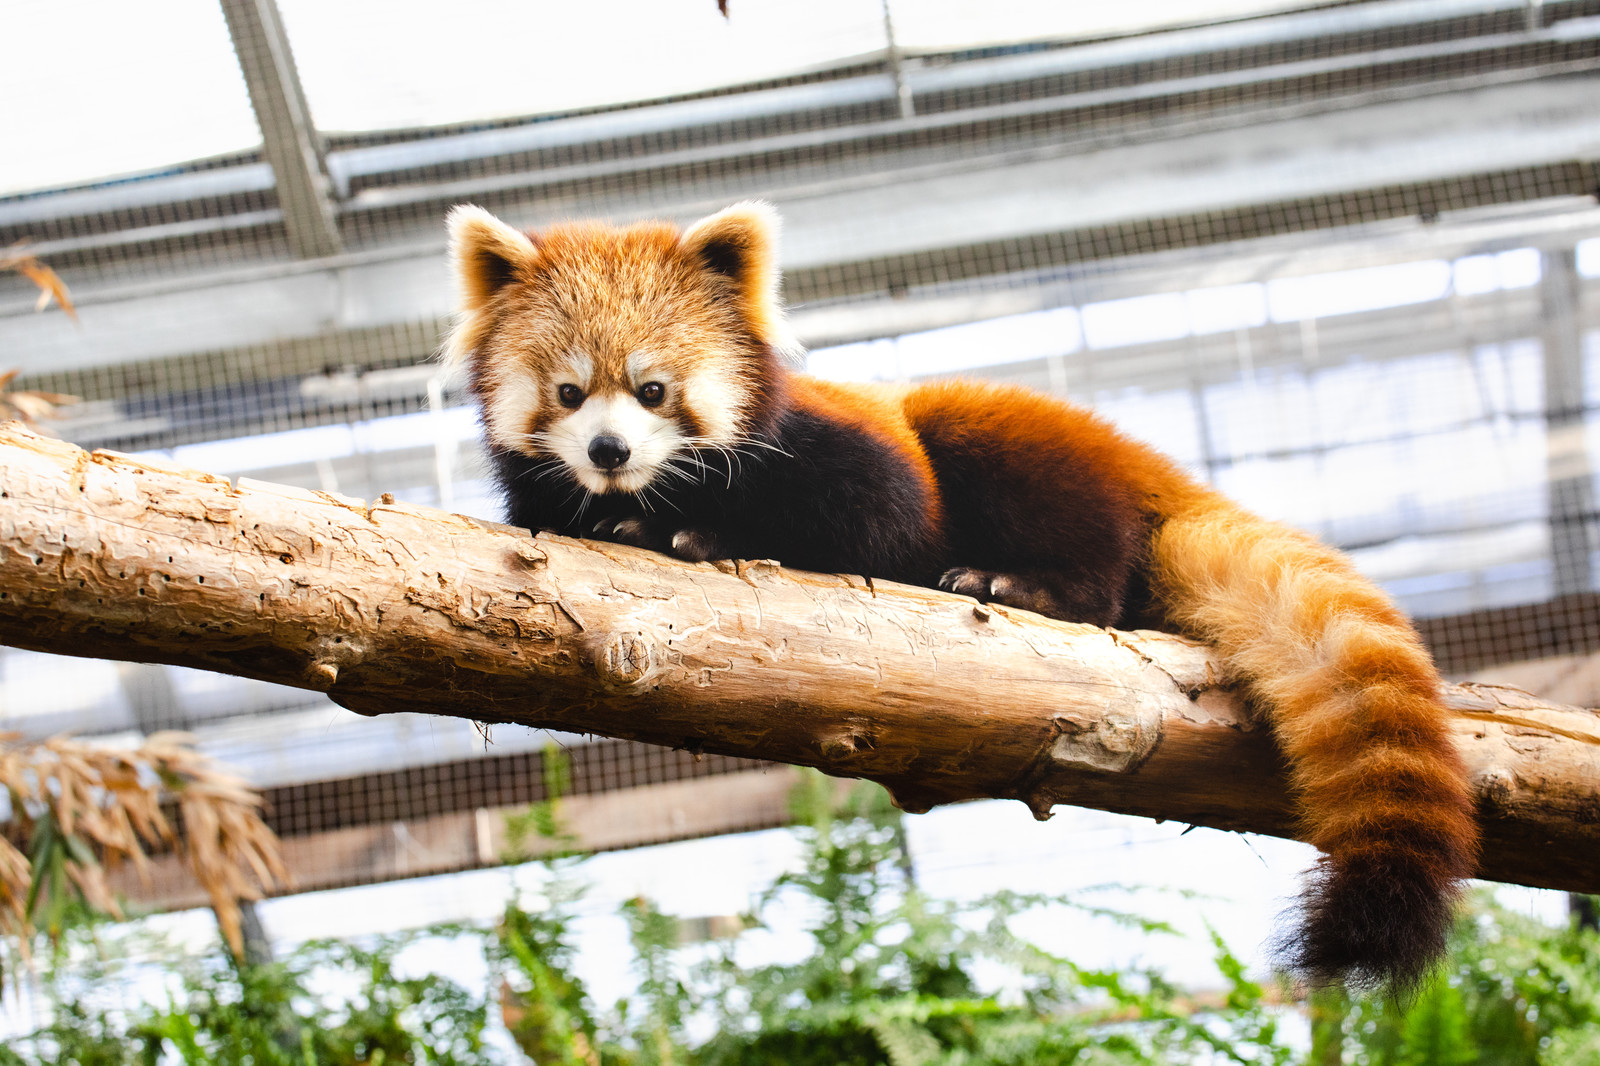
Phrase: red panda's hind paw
(966, 582)
(1012, 590)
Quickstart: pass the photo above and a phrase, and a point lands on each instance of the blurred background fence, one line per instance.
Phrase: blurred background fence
(1342, 259)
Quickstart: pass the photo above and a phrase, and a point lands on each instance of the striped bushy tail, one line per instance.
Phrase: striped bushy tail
(1353, 700)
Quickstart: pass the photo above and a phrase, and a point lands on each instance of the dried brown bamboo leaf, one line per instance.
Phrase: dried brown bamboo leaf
(15, 878)
(31, 405)
(137, 856)
(51, 287)
(91, 882)
(108, 803)
(230, 921)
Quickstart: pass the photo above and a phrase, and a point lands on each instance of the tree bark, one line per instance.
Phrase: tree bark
(391, 607)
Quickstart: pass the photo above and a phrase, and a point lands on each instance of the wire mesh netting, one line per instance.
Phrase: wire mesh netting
(1341, 259)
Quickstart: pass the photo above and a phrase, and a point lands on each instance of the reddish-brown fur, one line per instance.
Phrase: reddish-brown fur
(1011, 496)
(877, 412)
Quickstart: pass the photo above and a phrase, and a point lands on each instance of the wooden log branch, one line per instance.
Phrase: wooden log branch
(390, 607)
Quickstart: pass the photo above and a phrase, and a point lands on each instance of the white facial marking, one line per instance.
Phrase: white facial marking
(717, 402)
(513, 403)
(639, 368)
(651, 441)
(576, 369)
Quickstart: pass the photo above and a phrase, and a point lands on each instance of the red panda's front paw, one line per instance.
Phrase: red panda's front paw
(631, 531)
(696, 546)
(692, 545)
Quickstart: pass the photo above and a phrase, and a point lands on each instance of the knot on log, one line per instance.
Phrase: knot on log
(328, 655)
(322, 674)
(530, 557)
(1116, 740)
(1495, 787)
(839, 746)
(624, 660)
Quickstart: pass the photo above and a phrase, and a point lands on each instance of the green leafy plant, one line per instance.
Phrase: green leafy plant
(1516, 992)
(222, 1012)
(891, 977)
(542, 1002)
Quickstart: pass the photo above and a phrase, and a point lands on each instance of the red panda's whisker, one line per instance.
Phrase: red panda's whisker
(671, 468)
(658, 495)
(757, 443)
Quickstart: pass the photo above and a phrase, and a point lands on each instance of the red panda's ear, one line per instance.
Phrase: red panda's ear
(486, 254)
(741, 244)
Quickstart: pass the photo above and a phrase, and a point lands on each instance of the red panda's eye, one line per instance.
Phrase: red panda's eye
(570, 395)
(652, 393)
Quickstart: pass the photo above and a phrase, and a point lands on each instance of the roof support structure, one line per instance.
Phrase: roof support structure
(1571, 483)
(288, 138)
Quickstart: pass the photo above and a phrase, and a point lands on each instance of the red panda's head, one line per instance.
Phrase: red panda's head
(616, 350)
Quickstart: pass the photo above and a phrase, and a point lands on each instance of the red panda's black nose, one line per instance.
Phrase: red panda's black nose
(608, 452)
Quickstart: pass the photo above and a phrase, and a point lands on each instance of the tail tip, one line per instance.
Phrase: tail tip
(1371, 926)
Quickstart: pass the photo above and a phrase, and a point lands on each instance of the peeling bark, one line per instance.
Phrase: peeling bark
(396, 608)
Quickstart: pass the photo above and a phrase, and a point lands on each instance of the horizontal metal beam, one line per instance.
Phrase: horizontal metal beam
(180, 385)
(898, 273)
(1080, 122)
(476, 838)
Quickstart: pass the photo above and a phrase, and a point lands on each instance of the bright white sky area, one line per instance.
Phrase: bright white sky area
(96, 88)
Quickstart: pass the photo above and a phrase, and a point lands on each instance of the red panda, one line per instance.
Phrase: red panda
(634, 387)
